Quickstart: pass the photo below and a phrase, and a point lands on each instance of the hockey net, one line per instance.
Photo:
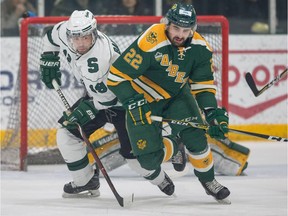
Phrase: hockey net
(30, 135)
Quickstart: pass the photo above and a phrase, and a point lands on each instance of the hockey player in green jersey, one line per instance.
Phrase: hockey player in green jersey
(89, 54)
(154, 76)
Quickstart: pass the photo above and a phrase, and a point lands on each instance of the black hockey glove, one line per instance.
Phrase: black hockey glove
(138, 109)
(82, 114)
(50, 69)
(218, 120)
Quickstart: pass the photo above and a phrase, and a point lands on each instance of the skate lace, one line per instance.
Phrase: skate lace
(177, 159)
(163, 184)
(214, 186)
(73, 185)
(110, 114)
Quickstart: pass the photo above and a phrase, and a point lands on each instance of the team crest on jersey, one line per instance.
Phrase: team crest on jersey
(206, 161)
(181, 52)
(151, 37)
(141, 144)
(158, 56)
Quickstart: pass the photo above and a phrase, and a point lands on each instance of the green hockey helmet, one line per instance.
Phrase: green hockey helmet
(182, 15)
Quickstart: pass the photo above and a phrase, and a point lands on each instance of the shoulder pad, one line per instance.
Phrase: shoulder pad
(153, 38)
(58, 25)
(101, 34)
(198, 39)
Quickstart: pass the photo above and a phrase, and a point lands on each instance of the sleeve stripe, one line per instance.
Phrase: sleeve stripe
(111, 83)
(115, 78)
(210, 82)
(194, 92)
(138, 89)
(201, 86)
(110, 103)
(154, 87)
(49, 36)
(146, 88)
(119, 74)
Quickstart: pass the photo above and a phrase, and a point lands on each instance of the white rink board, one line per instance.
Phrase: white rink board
(264, 55)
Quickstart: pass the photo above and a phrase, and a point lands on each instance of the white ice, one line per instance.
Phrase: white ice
(263, 192)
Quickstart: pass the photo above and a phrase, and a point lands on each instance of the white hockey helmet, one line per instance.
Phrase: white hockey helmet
(81, 23)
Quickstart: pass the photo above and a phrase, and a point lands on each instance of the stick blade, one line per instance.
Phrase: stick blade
(127, 201)
(251, 83)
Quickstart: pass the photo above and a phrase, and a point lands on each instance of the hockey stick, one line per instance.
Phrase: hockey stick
(122, 202)
(250, 81)
(205, 127)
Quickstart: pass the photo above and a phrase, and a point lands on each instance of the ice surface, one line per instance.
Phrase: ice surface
(263, 192)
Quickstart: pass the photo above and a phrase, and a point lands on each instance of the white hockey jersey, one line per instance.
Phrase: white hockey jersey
(91, 68)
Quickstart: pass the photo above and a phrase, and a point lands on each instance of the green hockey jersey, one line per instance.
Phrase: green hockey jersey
(152, 66)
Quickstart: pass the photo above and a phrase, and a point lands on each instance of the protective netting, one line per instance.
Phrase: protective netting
(45, 107)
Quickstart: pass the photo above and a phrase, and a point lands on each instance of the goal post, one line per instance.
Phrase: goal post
(32, 122)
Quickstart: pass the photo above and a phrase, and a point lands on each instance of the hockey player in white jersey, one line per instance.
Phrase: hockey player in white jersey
(89, 54)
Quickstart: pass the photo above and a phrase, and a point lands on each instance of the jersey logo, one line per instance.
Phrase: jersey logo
(206, 161)
(151, 37)
(141, 144)
(158, 56)
(173, 69)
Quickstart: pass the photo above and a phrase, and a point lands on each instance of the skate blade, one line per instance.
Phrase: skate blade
(225, 201)
(84, 194)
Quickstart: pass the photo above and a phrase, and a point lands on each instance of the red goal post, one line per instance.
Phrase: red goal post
(214, 28)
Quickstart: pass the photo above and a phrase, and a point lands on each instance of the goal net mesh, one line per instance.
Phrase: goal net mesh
(44, 107)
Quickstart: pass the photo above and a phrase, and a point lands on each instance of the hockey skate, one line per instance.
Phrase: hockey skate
(91, 189)
(219, 192)
(179, 160)
(167, 186)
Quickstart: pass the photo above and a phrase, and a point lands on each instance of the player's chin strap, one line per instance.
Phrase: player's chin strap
(206, 126)
(122, 202)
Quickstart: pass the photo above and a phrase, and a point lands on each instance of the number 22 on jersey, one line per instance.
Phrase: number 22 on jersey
(133, 58)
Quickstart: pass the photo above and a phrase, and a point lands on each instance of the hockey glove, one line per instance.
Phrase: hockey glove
(218, 120)
(50, 69)
(82, 114)
(138, 109)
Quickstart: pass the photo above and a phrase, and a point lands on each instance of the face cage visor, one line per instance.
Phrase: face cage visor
(75, 34)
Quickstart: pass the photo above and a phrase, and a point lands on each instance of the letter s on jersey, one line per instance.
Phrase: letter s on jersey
(93, 65)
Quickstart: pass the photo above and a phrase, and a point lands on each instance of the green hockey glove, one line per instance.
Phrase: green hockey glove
(138, 109)
(82, 114)
(218, 120)
(50, 69)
